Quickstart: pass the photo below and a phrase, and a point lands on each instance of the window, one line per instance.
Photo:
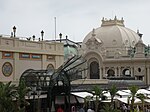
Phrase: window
(139, 77)
(30, 56)
(139, 69)
(126, 72)
(94, 70)
(24, 55)
(110, 72)
(7, 55)
(36, 56)
(50, 57)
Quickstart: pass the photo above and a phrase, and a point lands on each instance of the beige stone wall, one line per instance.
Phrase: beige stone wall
(138, 66)
(17, 46)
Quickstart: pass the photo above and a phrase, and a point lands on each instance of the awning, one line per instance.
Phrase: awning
(143, 91)
(125, 100)
(147, 100)
(106, 101)
(80, 100)
(123, 93)
(82, 94)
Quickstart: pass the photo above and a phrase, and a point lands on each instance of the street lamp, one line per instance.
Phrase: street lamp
(42, 34)
(60, 35)
(14, 30)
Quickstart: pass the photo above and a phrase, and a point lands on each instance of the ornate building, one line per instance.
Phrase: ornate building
(113, 51)
(19, 54)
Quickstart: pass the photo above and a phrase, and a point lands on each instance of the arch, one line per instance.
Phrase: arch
(94, 70)
(50, 66)
(30, 77)
(126, 72)
(92, 56)
(111, 73)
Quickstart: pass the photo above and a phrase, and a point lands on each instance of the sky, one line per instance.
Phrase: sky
(74, 18)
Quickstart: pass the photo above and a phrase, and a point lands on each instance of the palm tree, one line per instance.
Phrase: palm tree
(22, 90)
(108, 108)
(113, 90)
(98, 93)
(141, 97)
(7, 96)
(133, 90)
(87, 100)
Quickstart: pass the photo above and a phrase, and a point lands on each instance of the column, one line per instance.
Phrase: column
(115, 71)
(148, 77)
(100, 73)
(119, 71)
(132, 69)
(104, 72)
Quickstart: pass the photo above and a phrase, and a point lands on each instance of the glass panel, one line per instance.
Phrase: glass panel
(7, 54)
(36, 56)
(25, 56)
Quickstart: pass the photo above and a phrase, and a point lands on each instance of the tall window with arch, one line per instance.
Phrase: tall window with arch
(94, 70)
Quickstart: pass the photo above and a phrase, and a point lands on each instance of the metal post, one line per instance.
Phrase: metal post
(34, 91)
(34, 109)
(39, 92)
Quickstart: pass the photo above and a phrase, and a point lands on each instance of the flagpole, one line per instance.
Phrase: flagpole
(55, 27)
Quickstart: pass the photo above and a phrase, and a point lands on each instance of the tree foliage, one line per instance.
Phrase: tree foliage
(12, 98)
(7, 95)
(133, 90)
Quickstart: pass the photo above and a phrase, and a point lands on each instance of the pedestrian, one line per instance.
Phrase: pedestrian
(124, 108)
(81, 109)
(60, 109)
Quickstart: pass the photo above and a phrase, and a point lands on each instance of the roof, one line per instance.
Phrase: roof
(112, 34)
(120, 84)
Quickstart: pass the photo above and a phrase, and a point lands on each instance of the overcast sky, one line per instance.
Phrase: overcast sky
(75, 18)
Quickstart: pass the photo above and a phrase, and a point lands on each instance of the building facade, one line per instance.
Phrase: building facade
(114, 51)
(18, 55)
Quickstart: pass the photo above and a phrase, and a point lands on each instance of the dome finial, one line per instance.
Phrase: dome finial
(115, 18)
(140, 34)
(93, 33)
(137, 31)
(103, 19)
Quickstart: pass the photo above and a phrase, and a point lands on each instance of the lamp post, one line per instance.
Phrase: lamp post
(60, 35)
(14, 30)
(42, 34)
(39, 92)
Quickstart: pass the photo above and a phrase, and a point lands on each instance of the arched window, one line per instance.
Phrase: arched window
(110, 73)
(126, 72)
(94, 70)
(50, 66)
(50, 69)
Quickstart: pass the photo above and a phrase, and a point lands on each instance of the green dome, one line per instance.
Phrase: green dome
(70, 51)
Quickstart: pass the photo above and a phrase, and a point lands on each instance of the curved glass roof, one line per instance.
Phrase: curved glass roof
(70, 51)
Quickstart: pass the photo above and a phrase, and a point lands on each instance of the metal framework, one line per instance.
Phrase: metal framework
(58, 81)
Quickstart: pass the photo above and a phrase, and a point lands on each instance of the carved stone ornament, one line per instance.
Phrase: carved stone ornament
(93, 42)
(7, 69)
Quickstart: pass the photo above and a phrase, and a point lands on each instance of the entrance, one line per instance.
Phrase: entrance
(94, 70)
